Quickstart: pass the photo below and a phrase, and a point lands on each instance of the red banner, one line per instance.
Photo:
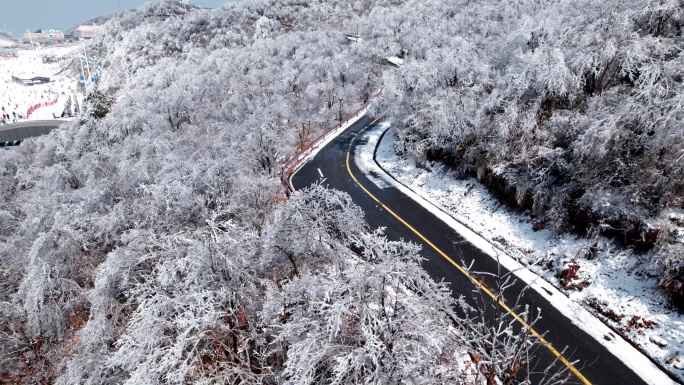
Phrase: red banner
(37, 106)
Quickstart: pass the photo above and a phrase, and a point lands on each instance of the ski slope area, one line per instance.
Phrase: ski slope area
(16, 99)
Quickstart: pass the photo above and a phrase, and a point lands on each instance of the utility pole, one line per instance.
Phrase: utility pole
(85, 57)
(28, 31)
(340, 114)
(84, 77)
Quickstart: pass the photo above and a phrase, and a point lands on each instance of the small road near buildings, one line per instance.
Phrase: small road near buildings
(28, 129)
(446, 252)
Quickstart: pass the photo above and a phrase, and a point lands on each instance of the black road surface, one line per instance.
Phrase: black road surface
(27, 129)
(596, 365)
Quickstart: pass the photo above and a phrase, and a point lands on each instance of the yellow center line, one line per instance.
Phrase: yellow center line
(567, 363)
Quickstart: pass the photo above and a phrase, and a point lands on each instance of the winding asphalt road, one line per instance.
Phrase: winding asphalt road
(27, 129)
(405, 219)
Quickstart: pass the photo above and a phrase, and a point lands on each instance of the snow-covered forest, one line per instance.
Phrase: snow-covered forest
(151, 241)
(570, 110)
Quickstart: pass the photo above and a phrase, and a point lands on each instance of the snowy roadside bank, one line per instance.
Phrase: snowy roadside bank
(603, 283)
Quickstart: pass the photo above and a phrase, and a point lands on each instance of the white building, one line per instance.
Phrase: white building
(87, 31)
(44, 36)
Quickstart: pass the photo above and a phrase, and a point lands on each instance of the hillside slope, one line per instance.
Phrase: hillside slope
(570, 111)
(150, 241)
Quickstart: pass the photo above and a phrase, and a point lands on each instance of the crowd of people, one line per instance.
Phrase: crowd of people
(10, 118)
(70, 108)
(15, 108)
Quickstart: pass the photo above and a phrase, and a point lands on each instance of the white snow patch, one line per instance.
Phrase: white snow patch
(658, 341)
(367, 166)
(7, 42)
(395, 61)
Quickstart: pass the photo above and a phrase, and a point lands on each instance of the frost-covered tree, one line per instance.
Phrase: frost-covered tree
(377, 319)
(502, 340)
(310, 232)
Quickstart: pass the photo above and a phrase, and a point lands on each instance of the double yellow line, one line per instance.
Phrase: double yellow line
(553, 350)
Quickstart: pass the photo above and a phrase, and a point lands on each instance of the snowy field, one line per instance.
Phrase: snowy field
(16, 99)
(611, 283)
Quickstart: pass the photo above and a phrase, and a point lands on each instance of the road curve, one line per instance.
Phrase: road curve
(28, 129)
(405, 219)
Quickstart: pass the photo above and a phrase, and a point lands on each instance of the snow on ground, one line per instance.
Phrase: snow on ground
(17, 99)
(7, 42)
(614, 285)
